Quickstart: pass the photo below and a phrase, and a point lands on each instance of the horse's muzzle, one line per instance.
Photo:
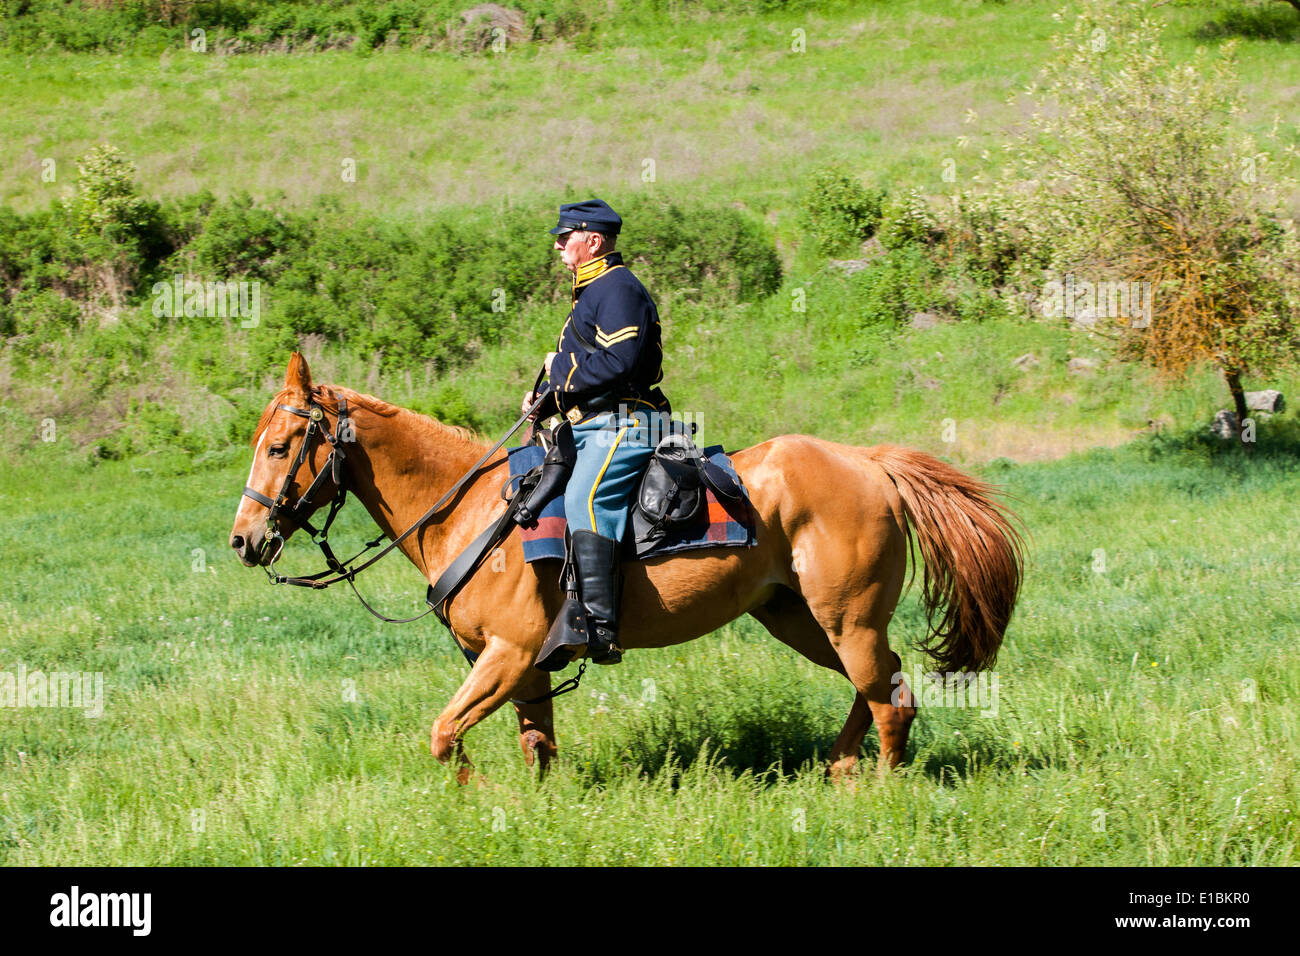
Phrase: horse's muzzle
(248, 547)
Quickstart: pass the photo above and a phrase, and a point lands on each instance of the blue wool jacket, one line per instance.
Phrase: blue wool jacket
(610, 348)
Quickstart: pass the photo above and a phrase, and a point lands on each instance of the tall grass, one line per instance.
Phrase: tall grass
(1146, 710)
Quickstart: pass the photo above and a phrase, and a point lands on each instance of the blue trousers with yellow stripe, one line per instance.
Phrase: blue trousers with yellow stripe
(612, 453)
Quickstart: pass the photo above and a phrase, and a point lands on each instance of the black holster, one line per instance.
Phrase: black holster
(556, 468)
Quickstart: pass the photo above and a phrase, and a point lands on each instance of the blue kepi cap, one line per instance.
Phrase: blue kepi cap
(593, 215)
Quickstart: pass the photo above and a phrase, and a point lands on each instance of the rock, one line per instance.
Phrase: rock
(1224, 424)
(482, 24)
(873, 248)
(924, 320)
(1028, 360)
(1078, 366)
(1269, 400)
(849, 266)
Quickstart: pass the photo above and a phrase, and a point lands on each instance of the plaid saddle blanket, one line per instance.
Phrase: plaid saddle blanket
(718, 525)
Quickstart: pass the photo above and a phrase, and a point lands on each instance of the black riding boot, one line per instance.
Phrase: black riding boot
(591, 622)
(599, 584)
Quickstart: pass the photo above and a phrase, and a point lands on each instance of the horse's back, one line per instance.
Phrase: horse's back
(793, 479)
(827, 516)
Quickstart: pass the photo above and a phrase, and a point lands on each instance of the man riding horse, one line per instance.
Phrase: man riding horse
(602, 379)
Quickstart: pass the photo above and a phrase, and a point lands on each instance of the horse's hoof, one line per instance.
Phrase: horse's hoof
(844, 770)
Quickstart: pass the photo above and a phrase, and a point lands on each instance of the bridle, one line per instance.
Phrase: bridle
(348, 570)
(297, 513)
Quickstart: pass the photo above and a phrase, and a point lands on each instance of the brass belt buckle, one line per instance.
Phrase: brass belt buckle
(573, 415)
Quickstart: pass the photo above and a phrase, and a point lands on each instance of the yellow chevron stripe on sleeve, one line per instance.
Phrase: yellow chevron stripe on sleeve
(615, 339)
(602, 334)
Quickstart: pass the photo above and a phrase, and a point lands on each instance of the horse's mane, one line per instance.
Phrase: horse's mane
(327, 397)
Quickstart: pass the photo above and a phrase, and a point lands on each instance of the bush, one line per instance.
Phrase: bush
(38, 317)
(988, 238)
(896, 286)
(106, 203)
(908, 220)
(450, 406)
(240, 239)
(839, 211)
(117, 26)
(430, 296)
(1151, 142)
(698, 252)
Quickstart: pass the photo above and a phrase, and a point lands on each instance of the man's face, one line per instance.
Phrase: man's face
(577, 247)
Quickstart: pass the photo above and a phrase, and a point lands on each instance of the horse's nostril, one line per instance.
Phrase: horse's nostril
(237, 542)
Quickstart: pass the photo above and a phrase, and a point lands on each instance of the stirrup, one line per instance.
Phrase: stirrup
(567, 637)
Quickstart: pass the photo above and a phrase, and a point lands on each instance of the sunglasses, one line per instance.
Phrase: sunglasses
(564, 237)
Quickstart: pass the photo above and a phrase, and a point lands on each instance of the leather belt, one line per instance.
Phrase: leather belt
(600, 404)
(577, 413)
(597, 405)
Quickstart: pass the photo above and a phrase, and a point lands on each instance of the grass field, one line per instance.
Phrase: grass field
(722, 105)
(1145, 706)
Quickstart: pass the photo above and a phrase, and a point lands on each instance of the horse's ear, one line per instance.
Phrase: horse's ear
(298, 376)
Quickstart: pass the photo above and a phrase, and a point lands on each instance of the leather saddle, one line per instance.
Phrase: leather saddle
(669, 494)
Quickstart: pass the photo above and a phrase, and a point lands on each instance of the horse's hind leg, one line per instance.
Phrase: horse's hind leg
(788, 619)
(851, 584)
(875, 672)
(893, 730)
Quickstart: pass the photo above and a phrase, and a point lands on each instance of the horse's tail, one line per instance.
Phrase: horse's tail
(972, 553)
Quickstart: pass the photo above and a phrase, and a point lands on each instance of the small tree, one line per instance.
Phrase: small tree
(106, 201)
(1134, 176)
(115, 229)
(839, 212)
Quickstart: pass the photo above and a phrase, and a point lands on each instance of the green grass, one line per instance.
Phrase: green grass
(1160, 690)
(721, 105)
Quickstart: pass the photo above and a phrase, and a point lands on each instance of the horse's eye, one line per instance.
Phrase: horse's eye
(279, 451)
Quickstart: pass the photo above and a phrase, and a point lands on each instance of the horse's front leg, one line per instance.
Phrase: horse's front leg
(536, 721)
(495, 677)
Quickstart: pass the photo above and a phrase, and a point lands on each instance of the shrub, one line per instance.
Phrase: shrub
(240, 239)
(38, 318)
(839, 211)
(697, 251)
(897, 285)
(106, 202)
(988, 238)
(117, 26)
(429, 296)
(907, 220)
(1149, 143)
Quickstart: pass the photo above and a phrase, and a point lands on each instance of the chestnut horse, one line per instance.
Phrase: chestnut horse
(834, 532)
